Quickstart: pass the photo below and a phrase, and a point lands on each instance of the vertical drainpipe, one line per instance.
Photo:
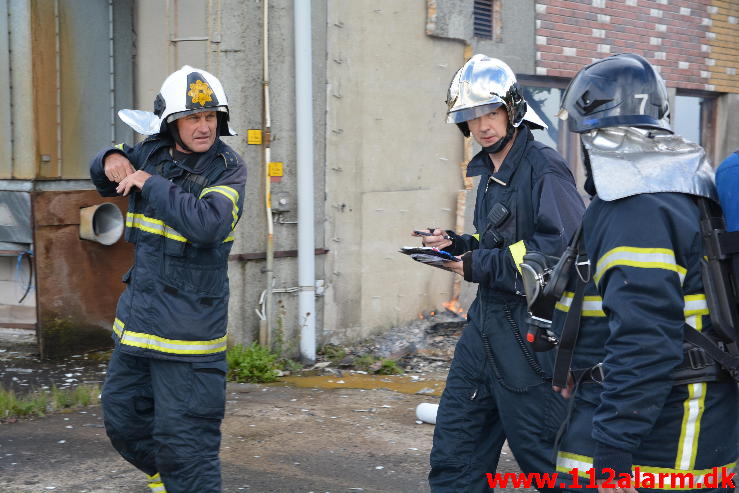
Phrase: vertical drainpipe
(304, 131)
(21, 57)
(265, 325)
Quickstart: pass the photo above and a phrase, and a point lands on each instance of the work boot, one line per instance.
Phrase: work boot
(155, 483)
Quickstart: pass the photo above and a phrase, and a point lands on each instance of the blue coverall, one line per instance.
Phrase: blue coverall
(645, 253)
(727, 184)
(497, 387)
(164, 394)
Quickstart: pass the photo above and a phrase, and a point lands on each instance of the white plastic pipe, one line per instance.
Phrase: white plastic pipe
(304, 131)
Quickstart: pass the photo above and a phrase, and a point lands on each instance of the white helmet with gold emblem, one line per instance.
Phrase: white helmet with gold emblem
(186, 91)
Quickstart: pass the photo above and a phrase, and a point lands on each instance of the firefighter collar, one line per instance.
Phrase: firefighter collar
(628, 161)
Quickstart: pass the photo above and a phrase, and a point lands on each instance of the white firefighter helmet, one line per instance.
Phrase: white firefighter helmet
(480, 86)
(186, 91)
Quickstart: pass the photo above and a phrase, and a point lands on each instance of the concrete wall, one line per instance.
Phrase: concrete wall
(727, 135)
(391, 162)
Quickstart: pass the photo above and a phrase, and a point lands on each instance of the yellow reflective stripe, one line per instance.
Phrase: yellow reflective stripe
(518, 250)
(695, 304)
(153, 226)
(567, 461)
(119, 146)
(592, 306)
(171, 346)
(157, 227)
(477, 237)
(118, 327)
(693, 408)
(229, 193)
(646, 258)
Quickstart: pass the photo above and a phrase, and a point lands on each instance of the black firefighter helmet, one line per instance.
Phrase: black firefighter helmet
(619, 91)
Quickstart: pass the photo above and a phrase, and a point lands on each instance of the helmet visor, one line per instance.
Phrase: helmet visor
(467, 114)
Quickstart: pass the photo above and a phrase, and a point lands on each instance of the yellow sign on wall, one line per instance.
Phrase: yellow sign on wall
(275, 169)
(254, 136)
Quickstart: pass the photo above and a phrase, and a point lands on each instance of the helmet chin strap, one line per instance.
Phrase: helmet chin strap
(172, 126)
(174, 132)
(498, 146)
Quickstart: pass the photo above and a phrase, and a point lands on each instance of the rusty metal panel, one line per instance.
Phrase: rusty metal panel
(78, 281)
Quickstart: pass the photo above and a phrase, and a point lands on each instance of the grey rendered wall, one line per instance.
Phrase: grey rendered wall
(728, 131)
(391, 162)
(453, 19)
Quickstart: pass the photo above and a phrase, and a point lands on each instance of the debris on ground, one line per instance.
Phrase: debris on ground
(423, 345)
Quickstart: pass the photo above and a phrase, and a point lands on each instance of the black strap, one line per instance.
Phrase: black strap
(568, 339)
(729, 361)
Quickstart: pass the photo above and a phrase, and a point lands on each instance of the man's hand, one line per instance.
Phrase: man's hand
(135, 180)
(567, 391)
(455, 267)
(437, 238)
(117, 167)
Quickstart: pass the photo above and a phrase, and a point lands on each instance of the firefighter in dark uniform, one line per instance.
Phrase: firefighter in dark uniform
(644, 398)
(164, 393)
(497, 388)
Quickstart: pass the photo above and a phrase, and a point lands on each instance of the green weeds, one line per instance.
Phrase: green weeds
(40, 403)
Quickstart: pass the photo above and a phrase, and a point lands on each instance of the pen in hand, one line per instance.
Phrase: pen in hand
(430, 232)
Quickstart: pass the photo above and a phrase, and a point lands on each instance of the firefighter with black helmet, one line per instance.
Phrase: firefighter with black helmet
(645, 398)
(497, 388)
(164, 394)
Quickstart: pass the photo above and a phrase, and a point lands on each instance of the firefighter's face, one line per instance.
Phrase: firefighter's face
(489, 128)
(198, 131)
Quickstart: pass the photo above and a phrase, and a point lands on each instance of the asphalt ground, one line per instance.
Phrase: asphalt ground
(276, 439)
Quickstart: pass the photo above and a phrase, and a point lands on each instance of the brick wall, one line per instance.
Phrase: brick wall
(694, 43)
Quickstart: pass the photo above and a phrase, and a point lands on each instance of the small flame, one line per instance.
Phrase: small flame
(454, 307)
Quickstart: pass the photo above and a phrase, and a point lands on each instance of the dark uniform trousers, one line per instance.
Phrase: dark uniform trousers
(164, 416)
(487, 401)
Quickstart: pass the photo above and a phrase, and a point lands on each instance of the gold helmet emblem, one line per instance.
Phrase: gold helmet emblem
(200, 92)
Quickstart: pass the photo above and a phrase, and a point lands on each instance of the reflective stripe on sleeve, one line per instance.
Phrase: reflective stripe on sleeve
(645, 258)
(592, 306)
(518, 250)
(695, 307)
(477, 237)
(230, 194)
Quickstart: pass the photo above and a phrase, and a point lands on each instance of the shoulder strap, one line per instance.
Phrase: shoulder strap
(571, 329)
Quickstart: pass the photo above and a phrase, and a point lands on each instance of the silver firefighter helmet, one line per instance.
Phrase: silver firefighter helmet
(482, 85)
(186, 91)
